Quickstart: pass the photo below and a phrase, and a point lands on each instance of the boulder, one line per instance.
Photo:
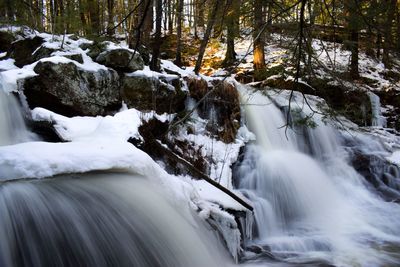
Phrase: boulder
(22, 51)
(71, 91)
(42, 52)
(121, 60)
(6, 39)
(152, 93)
(76, 57)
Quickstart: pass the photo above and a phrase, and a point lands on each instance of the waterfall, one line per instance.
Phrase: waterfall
(12, 125)
(99, 219)
(377, 119)
(310, 204)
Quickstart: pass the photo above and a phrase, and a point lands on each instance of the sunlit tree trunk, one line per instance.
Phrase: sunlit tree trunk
(259, 40)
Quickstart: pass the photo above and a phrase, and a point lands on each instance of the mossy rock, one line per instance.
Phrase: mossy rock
(122, 60)
(6, 39)
(150, 93)
(353, 104)
(71, 91)
(22, 50)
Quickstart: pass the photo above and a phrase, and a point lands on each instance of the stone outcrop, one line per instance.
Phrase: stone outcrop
(68, 90)
(22, 50)
(6, 39)
(162, 94)
(122, 60)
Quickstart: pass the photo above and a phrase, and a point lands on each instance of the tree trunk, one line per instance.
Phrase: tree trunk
(204, 42)
(398, 29)
(259, 40)
(179, 13)
(170, 16)
(157, 39)
(200, 4)
(82, 16)
(110, 20)
(94, 17)
(353, 27)
(232, 21)
(148, 23)
(388, 34)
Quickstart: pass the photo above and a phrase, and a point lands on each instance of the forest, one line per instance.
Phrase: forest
(371, 26)
(193, 133)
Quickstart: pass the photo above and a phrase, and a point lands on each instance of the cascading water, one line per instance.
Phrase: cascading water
(99, 219)
(310, 204)
(12, 124)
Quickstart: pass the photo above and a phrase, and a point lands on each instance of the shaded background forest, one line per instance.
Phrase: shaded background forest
(372, 26)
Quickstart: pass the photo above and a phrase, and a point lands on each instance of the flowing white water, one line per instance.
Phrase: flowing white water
(99, 219)
(12, 124)
(310, 204)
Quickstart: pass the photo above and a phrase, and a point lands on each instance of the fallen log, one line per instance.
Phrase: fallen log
(170, 154)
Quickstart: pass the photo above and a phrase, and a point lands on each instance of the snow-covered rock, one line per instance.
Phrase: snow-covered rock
(69, 90)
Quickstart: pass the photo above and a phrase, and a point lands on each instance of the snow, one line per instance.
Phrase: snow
(7, 64)
(88, 63)
(166, 64)
(224, 223)
(9, 78)
(210, 193)
(41, 159)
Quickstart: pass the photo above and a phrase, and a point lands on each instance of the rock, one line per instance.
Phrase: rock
(151, 93)
(352, 103)
(6, 38)
(94, 49)
(221, 108)
(121, 60)
(391, 99)
(76, 57)
(22, 50)
(71, 91)
(42, 52)
(145, 53)
(280, 82)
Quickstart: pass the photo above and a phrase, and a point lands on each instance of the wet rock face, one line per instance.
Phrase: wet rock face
(153, 93)
(22, 51)
(121, 60)
(391, 98)
(71, 91)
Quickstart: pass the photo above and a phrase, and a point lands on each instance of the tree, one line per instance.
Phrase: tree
(179, 11)
(157, 39)
(204, 42)
(232, 25)
(391, 8)
(110, 21)
(353, 21)
(258, 36)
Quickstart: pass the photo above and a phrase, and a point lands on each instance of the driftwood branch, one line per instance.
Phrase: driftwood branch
(200, 174)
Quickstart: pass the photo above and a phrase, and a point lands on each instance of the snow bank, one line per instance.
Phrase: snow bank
(41, 159)
(121, 126)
